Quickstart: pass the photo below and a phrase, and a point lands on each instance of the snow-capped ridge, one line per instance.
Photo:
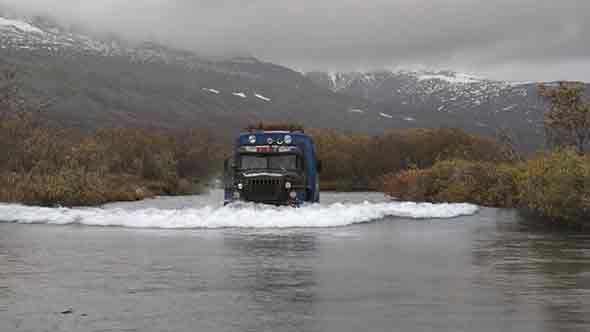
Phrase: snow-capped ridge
(6, 23)
(441, 90)
(452, 78)
(44, 35)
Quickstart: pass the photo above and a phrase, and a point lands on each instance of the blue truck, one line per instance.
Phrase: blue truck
(278, 167)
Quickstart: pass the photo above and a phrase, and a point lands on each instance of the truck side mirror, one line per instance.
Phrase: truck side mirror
(320, 166)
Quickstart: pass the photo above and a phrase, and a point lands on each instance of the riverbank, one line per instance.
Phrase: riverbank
(47, 165)
(554, 185)
(87, 189)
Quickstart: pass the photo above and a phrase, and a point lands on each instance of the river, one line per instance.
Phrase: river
(356, 262)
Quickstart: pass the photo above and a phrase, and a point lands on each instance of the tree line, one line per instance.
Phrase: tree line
(358, 162)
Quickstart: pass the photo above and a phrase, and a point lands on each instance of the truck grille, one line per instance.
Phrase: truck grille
(263, 189)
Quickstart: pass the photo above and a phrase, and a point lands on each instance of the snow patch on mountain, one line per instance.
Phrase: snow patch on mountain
(356, 110)
(212, 91)
(261, 97)
(508, 108)
(452, 78)
(520, 83)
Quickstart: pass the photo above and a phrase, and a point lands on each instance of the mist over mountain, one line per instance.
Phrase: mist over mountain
(97, 81)
(539, 40)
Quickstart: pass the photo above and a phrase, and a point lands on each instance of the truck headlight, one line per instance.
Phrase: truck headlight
(288, 139)
(252, 139)
(293, 195)
(288, 185)
(240, 186)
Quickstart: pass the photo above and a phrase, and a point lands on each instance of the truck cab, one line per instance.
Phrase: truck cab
(278, 167)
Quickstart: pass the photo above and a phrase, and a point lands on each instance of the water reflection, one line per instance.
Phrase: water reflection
(275, 273)
(5, 290)
(487, 272)
(543, 270)
(10, 269)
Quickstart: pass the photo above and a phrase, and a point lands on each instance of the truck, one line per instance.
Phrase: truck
(273, 165)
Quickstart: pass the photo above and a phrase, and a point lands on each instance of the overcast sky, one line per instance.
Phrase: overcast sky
(506, 39)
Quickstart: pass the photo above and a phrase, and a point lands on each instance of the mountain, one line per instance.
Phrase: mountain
(447, 98)
(104, 81)
(96, 80)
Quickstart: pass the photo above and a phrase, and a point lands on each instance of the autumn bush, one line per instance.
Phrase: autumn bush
(554, 185)
(454, 181)
(357, 161)
(557, 186)
(41, 164)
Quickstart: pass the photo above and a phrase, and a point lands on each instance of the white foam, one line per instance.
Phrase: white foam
(243, 216)
(239, 94)
(385, 115)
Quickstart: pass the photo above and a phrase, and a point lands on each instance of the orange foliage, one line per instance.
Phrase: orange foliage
(359, 161)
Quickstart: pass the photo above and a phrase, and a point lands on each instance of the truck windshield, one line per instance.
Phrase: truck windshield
(286, 162)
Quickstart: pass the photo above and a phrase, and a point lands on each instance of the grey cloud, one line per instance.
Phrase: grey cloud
(504, 38)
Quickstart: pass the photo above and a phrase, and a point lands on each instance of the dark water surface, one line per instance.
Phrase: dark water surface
(486, 272)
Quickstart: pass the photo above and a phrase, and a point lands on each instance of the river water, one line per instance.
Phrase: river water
(356, 262)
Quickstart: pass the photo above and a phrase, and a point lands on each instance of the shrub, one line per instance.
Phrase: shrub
(44, 165)
(557, 186)
(359, 161)
(454, 181)
(407, 185)
(70, 188)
